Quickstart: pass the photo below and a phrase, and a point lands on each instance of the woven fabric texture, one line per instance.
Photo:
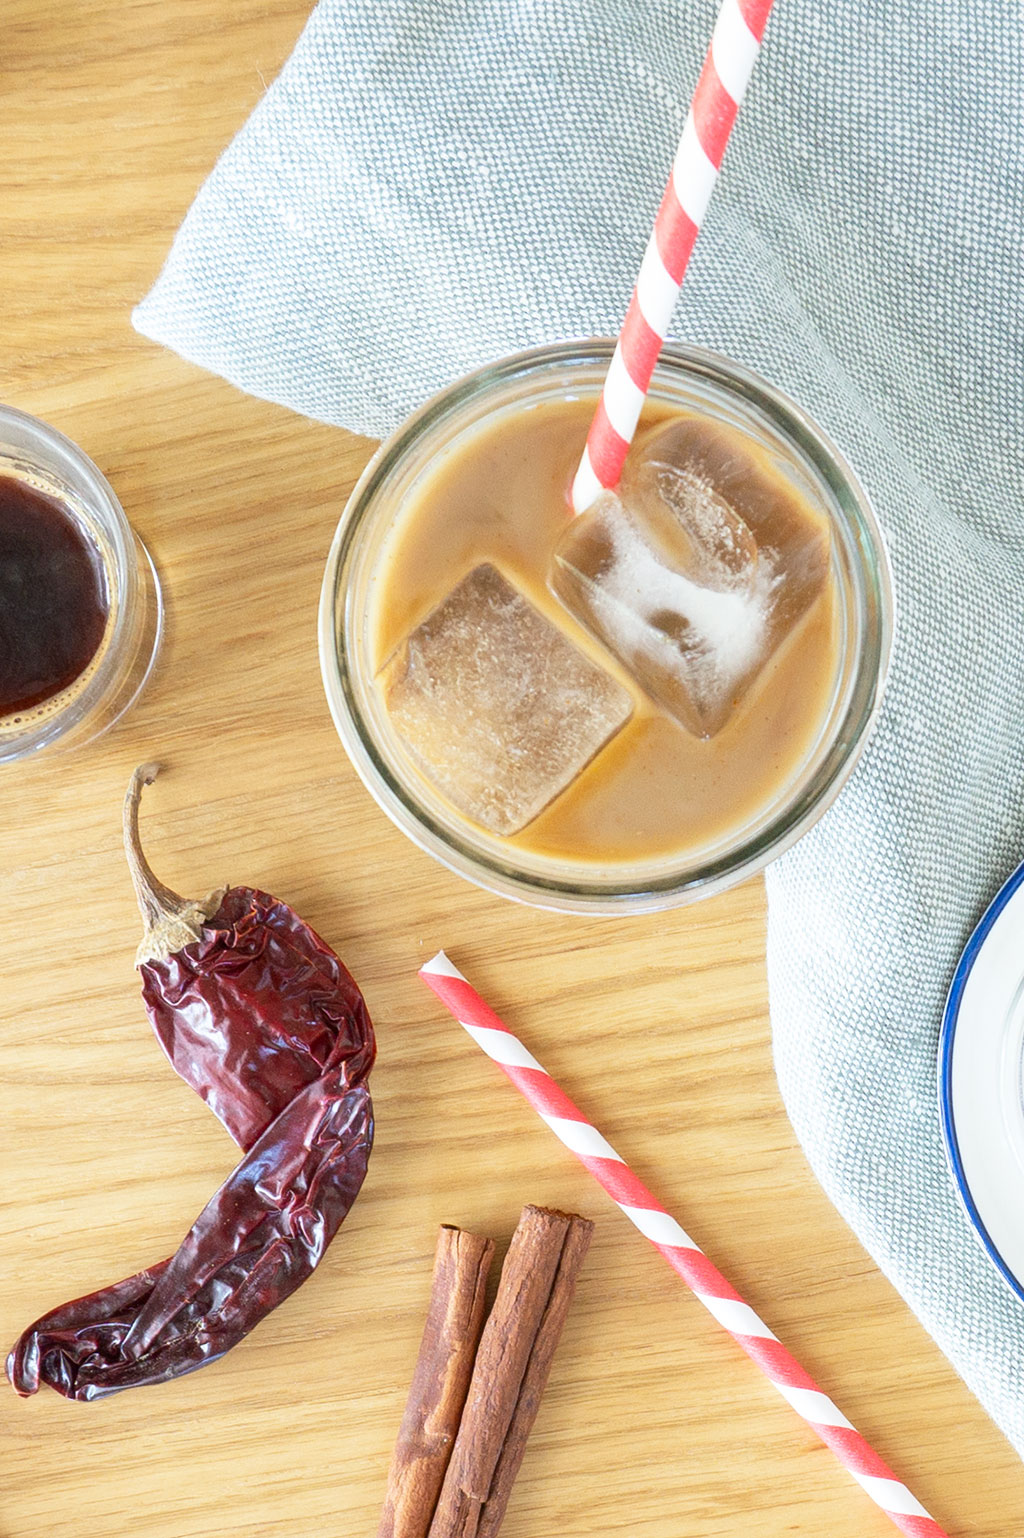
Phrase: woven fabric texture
(433, 183)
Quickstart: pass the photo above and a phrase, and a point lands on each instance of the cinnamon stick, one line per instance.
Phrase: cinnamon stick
(441, 1378)
(512, 1366)
(538, 1368)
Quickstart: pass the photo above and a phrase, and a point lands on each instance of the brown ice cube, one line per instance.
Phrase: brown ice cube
(692, 527)
(695, 572)
(498, 708)
(786, 529)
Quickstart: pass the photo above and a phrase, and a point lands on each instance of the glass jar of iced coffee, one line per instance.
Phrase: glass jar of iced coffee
(606, 742)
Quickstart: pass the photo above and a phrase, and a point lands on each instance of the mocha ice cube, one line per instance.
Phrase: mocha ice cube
(690, 527)
(695, 572)
(497, 707)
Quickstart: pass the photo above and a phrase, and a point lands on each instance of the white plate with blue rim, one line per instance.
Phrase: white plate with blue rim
(981, 1079)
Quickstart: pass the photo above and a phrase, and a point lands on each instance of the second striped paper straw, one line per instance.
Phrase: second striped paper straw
(707, 1283)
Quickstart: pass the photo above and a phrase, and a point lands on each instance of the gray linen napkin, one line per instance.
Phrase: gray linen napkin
(432, 183)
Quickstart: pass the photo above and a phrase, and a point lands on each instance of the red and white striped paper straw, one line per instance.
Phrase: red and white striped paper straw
(730, 59)
(704, 1280)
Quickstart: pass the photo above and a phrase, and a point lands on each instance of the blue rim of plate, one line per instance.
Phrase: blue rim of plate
(950, 1018)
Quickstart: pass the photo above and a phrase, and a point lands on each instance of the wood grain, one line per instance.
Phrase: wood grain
(110, 115)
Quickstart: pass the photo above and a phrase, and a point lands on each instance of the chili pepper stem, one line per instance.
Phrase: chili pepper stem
(170, 921)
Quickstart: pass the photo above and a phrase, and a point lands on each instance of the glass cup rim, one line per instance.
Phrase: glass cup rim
(749, 855)
(102, 497)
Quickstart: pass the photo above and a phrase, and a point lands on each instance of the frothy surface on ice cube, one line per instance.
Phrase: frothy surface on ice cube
(695, 573)
(496, 705)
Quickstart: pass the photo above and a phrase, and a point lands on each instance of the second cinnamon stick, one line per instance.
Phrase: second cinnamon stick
(538, 1367)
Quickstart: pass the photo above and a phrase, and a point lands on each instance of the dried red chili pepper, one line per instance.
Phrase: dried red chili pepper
(261, 1018)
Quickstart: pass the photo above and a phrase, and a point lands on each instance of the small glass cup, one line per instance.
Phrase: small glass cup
(685, 377)
(43, 458)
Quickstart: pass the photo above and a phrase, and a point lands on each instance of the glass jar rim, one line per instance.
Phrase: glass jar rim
(748, 855)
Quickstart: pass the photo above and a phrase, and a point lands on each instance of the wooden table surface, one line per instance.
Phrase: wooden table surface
(654, 1424)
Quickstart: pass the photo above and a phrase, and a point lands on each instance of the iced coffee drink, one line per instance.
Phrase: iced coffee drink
(632, 702)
